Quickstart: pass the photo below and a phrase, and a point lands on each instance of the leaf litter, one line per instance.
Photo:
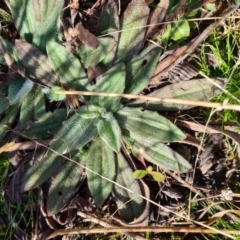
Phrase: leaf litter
(213, 164)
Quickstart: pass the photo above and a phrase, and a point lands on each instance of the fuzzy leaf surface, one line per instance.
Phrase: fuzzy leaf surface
(109, 24)
(4, 100)
(140, 69)
(8, 120)
(36, 21)
(110, 132)
(74, 134)
(66, 65)
(36, 62)
(113, 81)
(156, 153)
(180, 30)
(130, 205)
(101, 160)
(33, 105)
(195, 90)
(50, 122)
(132, 36)
(89, 111)
(91, 57)
(19, 89)
(149, 125)
(63, 186)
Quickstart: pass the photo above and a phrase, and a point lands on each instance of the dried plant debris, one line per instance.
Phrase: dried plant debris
(74, 168)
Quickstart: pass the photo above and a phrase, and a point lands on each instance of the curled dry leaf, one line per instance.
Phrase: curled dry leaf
(157, 17)
(86, 37)
(201, 128)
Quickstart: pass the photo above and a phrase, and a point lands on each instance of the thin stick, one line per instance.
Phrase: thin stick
(219, 106)
(140, 229)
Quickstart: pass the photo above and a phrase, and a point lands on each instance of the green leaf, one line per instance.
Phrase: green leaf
(140, 69)
(180, 30)
(196, 90)
(63, 186)
(19, 89)
(75, 133)
(10, 50)
(23, 16)
(100, 160)
(89, 111)
(113, 81)
(53, 96)
(132, 34)
(138, 174)
(33, 105)
(109, 24)
(109, 20)
(156, 153)
(149, 125)
(66, 65)
(157, 176)
(149, 169)
(130, 205)
(47, 15)
(4, 100)
(49, 122)
(7, 121)
(37, 21)
(36, 62)
(110, 132)
(91, 57)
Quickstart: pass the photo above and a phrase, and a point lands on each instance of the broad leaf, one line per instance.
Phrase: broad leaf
(49, 122)
(7, 121)
(100, 160)
(156, 153)
(37, 21)
(66, 65)
(148, 125)
(109, 24)
(33, 105)
(47, 16)
(64, 185)
(89, 111)
(19, 89)
(23, 16)
(130, 205)
(4, 100)
(140, 69)
(75, 133)
(36, 62)
(110, 132)
(113, 81)
(180, 30)
(132, 34)
(196, 90)
(138, 174)
(157, 176)
(91, 57)
(11, 50)
(52, 95)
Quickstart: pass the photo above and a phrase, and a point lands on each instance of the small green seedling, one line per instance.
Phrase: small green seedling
(157, 176)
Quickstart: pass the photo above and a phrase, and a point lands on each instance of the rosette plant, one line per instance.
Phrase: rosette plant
(91, 136)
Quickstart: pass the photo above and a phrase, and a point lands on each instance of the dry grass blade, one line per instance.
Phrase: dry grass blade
(218, 106)
(142, 229)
